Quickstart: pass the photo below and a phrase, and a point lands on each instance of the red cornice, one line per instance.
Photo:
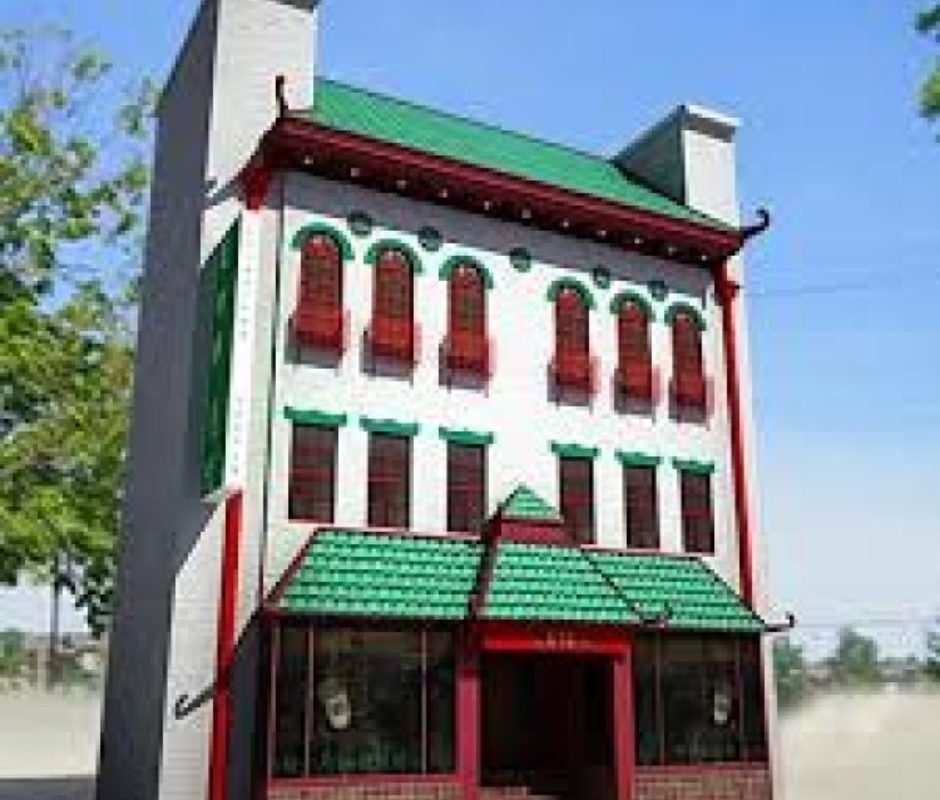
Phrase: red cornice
(294, 143)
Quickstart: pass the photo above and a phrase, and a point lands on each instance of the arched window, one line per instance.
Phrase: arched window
(319, 318)
(572, 364)
(467, 347)
(393, 333)
(688, 368)
(635, 359)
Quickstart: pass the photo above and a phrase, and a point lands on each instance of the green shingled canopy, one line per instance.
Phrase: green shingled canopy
(416, 127)
(357, 574)
(524, 504)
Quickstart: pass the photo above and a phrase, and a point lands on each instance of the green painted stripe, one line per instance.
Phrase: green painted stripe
(466, 436)
(372, 254)
(570, 283)
(630, 296)
(390, 426)
(312, 416)
(693, 466)
(632, 458)
(570, 450)
(321, 228)
(448, 266)
(688, 309)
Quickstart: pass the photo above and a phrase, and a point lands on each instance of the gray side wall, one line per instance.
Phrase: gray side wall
(162, 507)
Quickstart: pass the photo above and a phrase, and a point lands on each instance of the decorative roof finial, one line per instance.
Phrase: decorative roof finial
(762, 224)
(280, 82)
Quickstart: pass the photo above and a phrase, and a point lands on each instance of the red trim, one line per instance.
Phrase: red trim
(624, 746)
(468, 717)
(255, 179)
(302, 144)
(511, 637)
(728, 291)
(225, 649)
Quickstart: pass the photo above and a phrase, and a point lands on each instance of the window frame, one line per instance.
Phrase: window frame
(398, 475)
(688, 361)
(297, 479)
(635, 538)
(458, 490)
(697, 507)
(634, 356)
(586, 533)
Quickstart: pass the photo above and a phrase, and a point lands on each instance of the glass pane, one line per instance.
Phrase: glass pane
(441, 702)
(312, 473)
(290, 707)
(645, 702)
(367, 689)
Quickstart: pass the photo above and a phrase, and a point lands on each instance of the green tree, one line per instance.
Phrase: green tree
(855, 662)
(928, 23)
(789, 673)
(73, 178)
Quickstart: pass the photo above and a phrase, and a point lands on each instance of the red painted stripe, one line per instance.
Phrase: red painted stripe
(728, 291)
(225, 649)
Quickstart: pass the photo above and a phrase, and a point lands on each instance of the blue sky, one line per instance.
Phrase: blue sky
(845, 332)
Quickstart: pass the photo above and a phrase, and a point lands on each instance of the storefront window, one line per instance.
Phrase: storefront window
(379, 702)
(698, 700)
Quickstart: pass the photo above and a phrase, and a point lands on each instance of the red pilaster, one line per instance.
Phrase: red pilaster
(728, 292)
(225, 649)
(624, 749)
(468, 718)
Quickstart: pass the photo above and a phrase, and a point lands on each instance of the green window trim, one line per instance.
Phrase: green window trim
(636, 459)
(693, 466)
(447, 268)
(466, 436)
(390, 426)
(313, 416)
(570, 283)
(372, 254)
(321, 228)
(570, 450)
(690, 310)
(630, 296)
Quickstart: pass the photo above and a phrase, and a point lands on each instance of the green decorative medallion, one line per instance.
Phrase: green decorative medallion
(601, 276)
(521, 259)
(360, 223)
(430, 239)
(658, 290)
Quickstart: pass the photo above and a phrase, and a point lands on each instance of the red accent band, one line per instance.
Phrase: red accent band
(508, 637)
(728, 291)
(225, 649)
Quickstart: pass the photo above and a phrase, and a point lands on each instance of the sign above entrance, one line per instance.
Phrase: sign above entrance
(559, 639)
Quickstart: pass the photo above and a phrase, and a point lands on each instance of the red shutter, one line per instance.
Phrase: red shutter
(466, 347)
(466, 487)
(687, 364)
(642, 512)
(389, 481)
(576, 482)
(572, 366)
(312, 485)
(392, 334)
(698, 526)
(635, 368)
(319, 321)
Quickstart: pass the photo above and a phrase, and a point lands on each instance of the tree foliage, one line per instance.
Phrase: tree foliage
(855, 662)
(789, 673)
(928, 23)
(932, 661)
(72, 187)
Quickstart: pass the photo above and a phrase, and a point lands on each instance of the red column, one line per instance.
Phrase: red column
(468, 718)
(624, 750)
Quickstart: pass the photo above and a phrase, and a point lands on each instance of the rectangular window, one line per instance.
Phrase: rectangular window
(466, 487)
(389, 481)
(697, 702)
(698, 525)
(356, 701)
(576, 501)
(312, 486)
(640, 507)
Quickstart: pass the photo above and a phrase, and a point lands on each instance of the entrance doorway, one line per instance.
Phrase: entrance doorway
(547, 725)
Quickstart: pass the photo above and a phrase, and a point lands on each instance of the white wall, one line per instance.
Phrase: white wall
(516, 406)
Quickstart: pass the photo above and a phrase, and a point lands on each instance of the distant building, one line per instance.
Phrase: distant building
(439, 469)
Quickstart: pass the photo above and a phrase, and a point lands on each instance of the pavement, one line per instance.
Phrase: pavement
(77, 788)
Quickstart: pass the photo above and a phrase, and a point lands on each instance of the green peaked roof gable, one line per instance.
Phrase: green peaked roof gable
(523, 503)
(346, 108)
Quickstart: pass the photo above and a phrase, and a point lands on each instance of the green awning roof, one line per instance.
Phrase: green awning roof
(357, 574)
(398, 122)
(524, 504)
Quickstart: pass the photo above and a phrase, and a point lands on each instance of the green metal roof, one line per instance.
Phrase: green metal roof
(525, 504)
(406, 124)
(376, 575)
(350, 573)
(533, 582)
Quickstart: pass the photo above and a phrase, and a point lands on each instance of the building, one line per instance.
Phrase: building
(439, 468)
